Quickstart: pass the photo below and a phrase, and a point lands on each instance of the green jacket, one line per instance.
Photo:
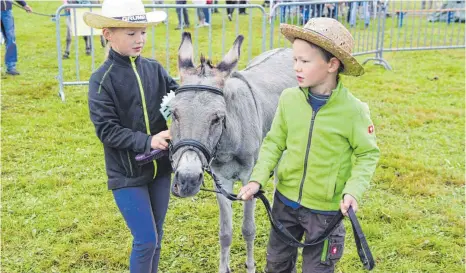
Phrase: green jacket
(324, 155)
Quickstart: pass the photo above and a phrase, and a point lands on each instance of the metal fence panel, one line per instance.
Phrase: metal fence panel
(161, 42)
(377, 26)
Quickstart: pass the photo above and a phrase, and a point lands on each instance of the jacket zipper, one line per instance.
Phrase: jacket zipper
(314, 113)
(143, 99)
(130, 166)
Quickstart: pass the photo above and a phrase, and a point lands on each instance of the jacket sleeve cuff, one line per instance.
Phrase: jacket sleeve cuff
(140, 144)
(356, 193)
(148, 145)
(260, 178)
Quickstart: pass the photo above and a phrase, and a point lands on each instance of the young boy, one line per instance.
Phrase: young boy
(125, 94)
(326, 141)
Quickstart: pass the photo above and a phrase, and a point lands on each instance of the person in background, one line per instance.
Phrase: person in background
(242, 10)
(230, 10)
(202, 13)
(182, 13)
(8, 32)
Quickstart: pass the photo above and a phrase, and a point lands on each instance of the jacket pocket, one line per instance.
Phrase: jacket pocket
(337, 243)
(125, 157)
(332, 180)
(334, 246)
(281, 166)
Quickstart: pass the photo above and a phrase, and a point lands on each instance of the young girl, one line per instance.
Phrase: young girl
(326, 141)
(125, 94)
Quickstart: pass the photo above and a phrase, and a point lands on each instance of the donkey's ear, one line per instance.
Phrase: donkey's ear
(230, 61)
(185, 53)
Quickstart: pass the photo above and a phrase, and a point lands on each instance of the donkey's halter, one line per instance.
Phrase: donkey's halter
(197, 88)
(192, 143)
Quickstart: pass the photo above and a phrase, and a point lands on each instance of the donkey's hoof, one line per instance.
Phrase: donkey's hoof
(227, 270)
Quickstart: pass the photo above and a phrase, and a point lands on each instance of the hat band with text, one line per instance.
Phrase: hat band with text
(133, 18)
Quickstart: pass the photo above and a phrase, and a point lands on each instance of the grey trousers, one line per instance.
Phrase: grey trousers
(281, 258)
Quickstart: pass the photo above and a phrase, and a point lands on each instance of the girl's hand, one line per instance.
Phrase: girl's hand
(347, 201)
(159, 141)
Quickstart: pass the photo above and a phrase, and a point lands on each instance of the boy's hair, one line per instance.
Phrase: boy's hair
(327, 56)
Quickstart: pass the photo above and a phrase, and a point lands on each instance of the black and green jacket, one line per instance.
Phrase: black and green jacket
(125, 94)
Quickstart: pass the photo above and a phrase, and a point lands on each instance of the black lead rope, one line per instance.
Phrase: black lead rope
(361, 243)
(363, 248)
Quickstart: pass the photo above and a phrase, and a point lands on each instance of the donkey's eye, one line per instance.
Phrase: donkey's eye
(175, 115)
(216, 120)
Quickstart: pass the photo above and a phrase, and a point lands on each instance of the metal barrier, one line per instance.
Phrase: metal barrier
(255, 39)
(374, 26)
(377, 27)
(413, 26)
(364, 19)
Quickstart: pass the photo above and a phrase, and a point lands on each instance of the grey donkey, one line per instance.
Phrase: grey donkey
(231, 126)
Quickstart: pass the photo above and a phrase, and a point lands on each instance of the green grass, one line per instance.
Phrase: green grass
(57, 215)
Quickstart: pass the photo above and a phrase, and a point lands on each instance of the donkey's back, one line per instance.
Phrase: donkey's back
(266, 76)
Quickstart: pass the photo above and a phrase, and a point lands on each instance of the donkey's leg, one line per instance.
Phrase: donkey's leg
(249, 234)
(249, 227)
(87, 41)
(225, 227)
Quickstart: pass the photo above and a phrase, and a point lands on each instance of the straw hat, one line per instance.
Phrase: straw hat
(330, 35)
(123, 13)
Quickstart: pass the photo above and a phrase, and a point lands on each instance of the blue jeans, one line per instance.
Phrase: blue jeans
(354, 10)
(284, 13)
(144, 209)
(182, 14)
(203, 13)
(207, 15)
(8, 31)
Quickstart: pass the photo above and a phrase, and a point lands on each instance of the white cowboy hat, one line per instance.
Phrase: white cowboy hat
(123, 13)
(330, 35)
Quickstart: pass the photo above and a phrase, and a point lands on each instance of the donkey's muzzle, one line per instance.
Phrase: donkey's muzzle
(187, 184)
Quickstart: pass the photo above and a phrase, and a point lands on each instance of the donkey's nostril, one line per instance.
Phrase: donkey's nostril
(200, 176)
(177, 175)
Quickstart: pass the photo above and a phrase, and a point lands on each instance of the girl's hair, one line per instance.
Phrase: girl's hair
(107, 49)
(108, 44)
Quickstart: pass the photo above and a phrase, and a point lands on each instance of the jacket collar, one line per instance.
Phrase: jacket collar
(333, 97)
(120, 59)
(335, 92)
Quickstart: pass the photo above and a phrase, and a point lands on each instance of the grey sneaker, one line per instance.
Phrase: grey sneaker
(13, 72)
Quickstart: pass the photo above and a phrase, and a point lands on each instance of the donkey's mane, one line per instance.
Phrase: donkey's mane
(204, 64)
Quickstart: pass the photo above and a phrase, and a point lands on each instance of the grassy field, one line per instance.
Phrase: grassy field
(57, 215)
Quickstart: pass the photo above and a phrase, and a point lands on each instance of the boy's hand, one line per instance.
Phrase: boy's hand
(347, 201)
(159, 141)
(247, 192)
